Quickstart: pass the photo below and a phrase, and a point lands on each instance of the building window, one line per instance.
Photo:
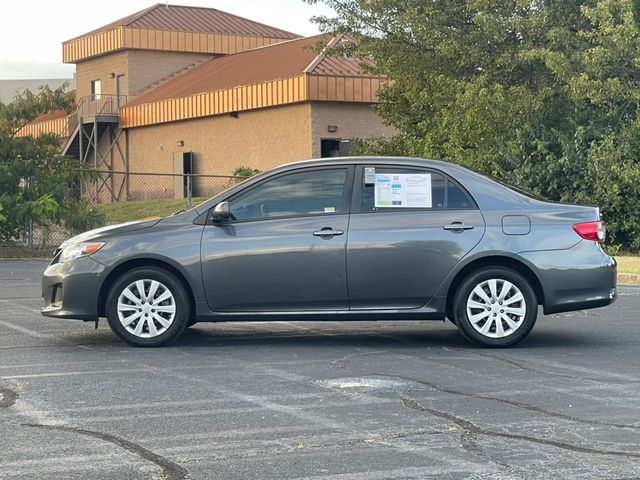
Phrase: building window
(96, 90)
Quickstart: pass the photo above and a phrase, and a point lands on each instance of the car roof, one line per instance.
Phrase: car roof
(419, 162)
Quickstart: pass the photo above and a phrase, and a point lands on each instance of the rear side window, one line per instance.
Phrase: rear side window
(445, 194)
(456, 197)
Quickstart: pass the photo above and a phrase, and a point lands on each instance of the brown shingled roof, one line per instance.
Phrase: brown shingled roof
(282, 60)
(194, 19)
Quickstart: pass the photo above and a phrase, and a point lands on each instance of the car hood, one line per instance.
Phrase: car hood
(103, 232)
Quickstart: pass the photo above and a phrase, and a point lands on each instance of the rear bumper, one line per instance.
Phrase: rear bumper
(575, 279)
(70, 289)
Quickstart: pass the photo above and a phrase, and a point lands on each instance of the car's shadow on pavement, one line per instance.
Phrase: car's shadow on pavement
(433, 335)
(399, 335)
(353, 335)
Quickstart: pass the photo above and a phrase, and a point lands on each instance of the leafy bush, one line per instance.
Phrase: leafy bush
(242, 173)
(35, 182)
(82, 216)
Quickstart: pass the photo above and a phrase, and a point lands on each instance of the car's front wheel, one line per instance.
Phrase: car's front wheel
(495, 307)
(147, 307)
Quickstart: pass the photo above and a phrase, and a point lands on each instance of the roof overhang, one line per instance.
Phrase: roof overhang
(60, 127)
(121, 38)
(272, 93)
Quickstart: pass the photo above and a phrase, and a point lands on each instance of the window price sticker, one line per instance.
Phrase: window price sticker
(403, 190)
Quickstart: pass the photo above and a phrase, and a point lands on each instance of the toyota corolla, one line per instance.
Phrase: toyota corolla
(341, 239)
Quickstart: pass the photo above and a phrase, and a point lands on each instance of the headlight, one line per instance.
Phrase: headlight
(79, 250)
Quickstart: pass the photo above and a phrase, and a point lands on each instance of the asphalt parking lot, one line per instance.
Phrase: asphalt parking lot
(346, 401)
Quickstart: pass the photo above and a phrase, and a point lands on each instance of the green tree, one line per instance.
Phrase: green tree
(540, 93)
(35, 181)
(26, 106)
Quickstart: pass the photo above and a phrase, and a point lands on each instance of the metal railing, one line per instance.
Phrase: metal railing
(94, 106)
(100, 104)
(90, 106)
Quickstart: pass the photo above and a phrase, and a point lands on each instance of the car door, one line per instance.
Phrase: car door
(397, 256)
(284, 247)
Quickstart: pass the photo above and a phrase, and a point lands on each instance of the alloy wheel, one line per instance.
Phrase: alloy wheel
(146, 308)
(496, 308)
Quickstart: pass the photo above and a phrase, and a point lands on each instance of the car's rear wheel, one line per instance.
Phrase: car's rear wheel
(148, 307)
(495, 307)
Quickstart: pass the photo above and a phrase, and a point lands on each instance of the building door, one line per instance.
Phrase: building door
(329, 147)
(182, 168)
(284, 247)
(335, 147)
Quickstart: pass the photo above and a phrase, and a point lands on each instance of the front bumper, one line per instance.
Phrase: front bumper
(71, 289)
(581, 277)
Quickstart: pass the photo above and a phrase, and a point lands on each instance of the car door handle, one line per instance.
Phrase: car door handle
(327, 232)
(458, 227)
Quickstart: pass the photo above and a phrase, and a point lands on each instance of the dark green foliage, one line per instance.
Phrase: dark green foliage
(242, 173)
(35, 182)
(543, 94)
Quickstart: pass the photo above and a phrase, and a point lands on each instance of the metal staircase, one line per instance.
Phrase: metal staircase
(97, 140)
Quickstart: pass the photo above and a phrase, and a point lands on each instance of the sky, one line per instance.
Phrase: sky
(33, 30)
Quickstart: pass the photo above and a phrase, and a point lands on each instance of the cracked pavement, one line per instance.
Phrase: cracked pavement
(311, 400)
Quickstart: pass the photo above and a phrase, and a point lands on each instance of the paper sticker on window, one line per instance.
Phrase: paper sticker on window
(403, 190)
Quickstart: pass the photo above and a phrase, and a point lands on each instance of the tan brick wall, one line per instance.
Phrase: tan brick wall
(141, 68)
(259, 139)
(354, 120)
(147, 67)
(100, 69)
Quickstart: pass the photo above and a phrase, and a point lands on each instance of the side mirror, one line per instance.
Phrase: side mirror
(220, 212)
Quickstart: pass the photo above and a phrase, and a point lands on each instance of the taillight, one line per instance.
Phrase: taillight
(595, 231)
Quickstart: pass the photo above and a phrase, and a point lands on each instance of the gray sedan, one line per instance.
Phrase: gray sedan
(341, 239)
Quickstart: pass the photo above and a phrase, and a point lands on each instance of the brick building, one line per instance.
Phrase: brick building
(175, 89)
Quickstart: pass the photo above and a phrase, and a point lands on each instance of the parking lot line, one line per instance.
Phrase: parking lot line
(18, 328)
(13, 303)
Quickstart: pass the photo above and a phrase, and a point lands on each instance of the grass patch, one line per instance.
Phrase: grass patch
(119, 212)
(628, 264)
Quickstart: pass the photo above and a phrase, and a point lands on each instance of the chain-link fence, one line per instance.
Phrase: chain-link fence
(118, 197)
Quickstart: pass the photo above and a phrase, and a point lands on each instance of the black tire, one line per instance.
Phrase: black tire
(179, 319)
(480, 278)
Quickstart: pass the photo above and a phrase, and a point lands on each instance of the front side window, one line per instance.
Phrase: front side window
(312, 192)
(443, 193)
